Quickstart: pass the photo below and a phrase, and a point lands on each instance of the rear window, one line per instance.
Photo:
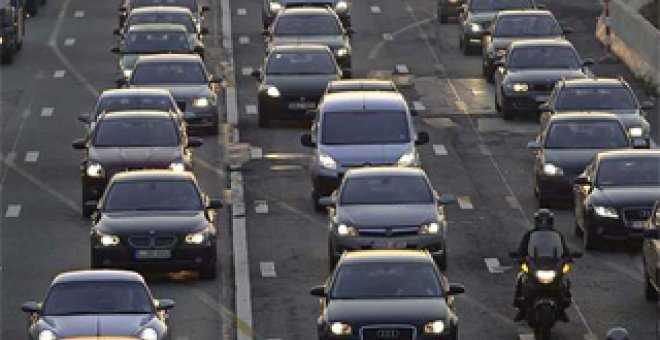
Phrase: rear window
(178, 18)
(131, 103)
(190, 4)
(527, 26)
(365, 127)
(386, 190)
(595, 98)
(587, 134)
(301, 63)
(144, 132)
(307, 25)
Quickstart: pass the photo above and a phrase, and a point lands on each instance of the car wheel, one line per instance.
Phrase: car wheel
(95, 263)
(578, 230)
(264, 121)
(465, 47)
(507, 109)
(543, 200)
(649, 292)
(208, 271)
(441, 261)
(332, 258)
(487, 72)
(442, 18)
(215, 129)
(315, 203)
(589, 240)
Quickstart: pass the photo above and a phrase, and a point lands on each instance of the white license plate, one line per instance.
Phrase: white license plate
(153, 254)
(637, 224)
(389, 244)
(302, 105)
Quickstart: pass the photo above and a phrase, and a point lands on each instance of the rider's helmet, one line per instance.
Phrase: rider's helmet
(617, 333)
(544, 218)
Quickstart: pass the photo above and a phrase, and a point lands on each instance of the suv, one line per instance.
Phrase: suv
(651, 254)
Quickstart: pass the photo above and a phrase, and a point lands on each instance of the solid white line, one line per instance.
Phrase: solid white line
(31, 156)
(261, 207)
(440, 150)
(401, 68)
(493, 265)
(247, 70)
(78, 14)
(267, 269)
(388, 37)
(513, 201)
(241, 11)
(465, 203)
(243, 40)
(251, 109)
(59, 74)
(69, 41)
(13, 211)
(256, 153)
(47, 111)
(375, 10)
(418, 106)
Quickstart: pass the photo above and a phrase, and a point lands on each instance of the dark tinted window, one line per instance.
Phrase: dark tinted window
(136, 133)
(153, 195)
(546, 57)
(365, 127)
(301, 63)
(595, 98)
(527, 25)
(643, 171)
(130, 103)
(498, 5)
(386, 280)
(587, 134)
(102, 297)
(168, 73)
(6, 16)
(140, 41)
(307, 25)
(386, 190)
(181, 18)
(545, 244)
(190, 4)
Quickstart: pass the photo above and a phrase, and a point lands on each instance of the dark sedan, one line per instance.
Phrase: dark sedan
(292, 81)
(98, 304)
(379, 294)
(509, 26)
(164, 15)
(131, 140)
(271, 8)
(565, 147)
(192, 5)
(449, 8)
(155, 220)
(529, 71)
(615, 194)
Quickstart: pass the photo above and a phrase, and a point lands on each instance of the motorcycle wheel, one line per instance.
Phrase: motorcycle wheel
(545, 318)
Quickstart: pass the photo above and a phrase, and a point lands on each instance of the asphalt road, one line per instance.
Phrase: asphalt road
(485, 163)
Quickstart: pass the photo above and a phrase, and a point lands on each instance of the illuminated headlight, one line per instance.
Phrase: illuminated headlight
(1, 40)
(275, 7)
(607, 212)
(430, 228)
(342, 52)
(198, 237)
(340, 328)
(520, 87)
(550, 169)
(47, 335)
(127, 73)
(327, 162)
(344, 230)
(636, 132)
(408, 159)
(200, 102)
(108, 240)
(177, 166)
(474, 27)
(546, 276)
(148, 334)
(272, 91)
(434, 327)
(341, 6)
(453, 1)
(95, 170)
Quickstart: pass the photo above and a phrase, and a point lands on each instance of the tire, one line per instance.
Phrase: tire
(94, 263)
(315, 203)
(208, 271)
(86, 211)
(543, 200)
(507, 110)
(578, 230)
(264, 120)
(649, 292)
(465, 47)
(488, 74)
(545, 319)
(442, 18)
(332, 258)
(589, 241)
(8, 58)
(441, 261)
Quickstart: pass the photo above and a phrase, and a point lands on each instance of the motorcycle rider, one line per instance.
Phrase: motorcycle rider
(617, 333)
(543, 221)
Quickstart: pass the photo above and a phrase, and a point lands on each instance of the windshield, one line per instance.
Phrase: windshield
(141, 42)
(132, 103)
(168, 73)
(499, 5)
(642, 171)
(545, 243)
(386, 190)
(6, 16)
(143, 132)
(543, 57)
(153, 195)
(301, 63)
(181, 18)
(596, 99)
(527, 26)
(386, 281)
(307, 25)
(365, 127)
(587, 134)
(102, 297)
(189, 4)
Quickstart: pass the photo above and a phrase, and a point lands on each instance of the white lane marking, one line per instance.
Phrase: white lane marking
(251, 109)
(476, 92)
(513, 202)
(409, 9)
(31, 156)
(69, 41)
(388, 37)
(418, 106)
(440, 150)
(375, 10)
(247, 70)
(461, 105)
(261, 207)
(465, 203)
(47, 111)
(493, 265)
(78, 14)
(243, 40)
(267, 269)
(241, 11)
(59, 74)
(256, 153)
(401, 69)
(527, 336)
(13, 211)
(484, 150)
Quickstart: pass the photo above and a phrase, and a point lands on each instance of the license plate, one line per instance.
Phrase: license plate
(637, 224)
(542, 99)
(389, 244)
(302, 105)
(153, 254)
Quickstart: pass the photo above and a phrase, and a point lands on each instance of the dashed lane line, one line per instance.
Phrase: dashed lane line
(375, 10)
(465, 203)
(59, 74)
(256, 153)
(78, 14)
(31, 156)
(251, 109)
(388, 37)
(241, 11)
(247, 70)
(418, 106)
(13, 211)
(244, 40)
(69, 41)
(268, 269)
(402, 69)
(440, 150)
(261, 207)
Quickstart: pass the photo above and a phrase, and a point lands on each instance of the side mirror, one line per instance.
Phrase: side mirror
(31, 307)
(576, 254)
(215, 203)
(121, 81)
(326, 201)
(446, 199)
(306, 140)
(91, 205)
(455, 289)
(651, 233)
(204, 30)
(164, 304)
(567, 30)
(640, 143)
(79, 144)
(533, 145)
(587, 62)
(422, 138)
(194, 142)
(116, 31)
(648, 105)
(514, 255)
(84, 118)
(318, 291)
(206, 9)
(256, 74)
(581, 180)
(114, 50)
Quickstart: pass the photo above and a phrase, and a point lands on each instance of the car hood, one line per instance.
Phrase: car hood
(543, 76)
(388, 311)
(332, 41)
(380, 215)
(481, 17)
(572, 161)
(95, 325)
(140, 157)
(183, 92)
(310, 85)
(637, 196)
(365, 155)
(122, 223)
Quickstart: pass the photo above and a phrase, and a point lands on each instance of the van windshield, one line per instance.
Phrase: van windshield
(365, 127)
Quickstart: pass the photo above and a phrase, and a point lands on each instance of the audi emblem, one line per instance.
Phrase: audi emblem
(387, 334)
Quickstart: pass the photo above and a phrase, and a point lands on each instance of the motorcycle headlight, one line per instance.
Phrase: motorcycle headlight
(608, 212)
(47, 335)
(340, 328)
(200, 102)
(429, 228)
(177, 166)
(434, 327)
(341, 6)
(345, 230)
(636, 132)
(550, 169)
(327, 162)
(566, 268)
(474, 27)
(546, 276)
(342, 52)
(520, 87)
(275, 7)
(524, 267)
(95, 170)
(408, 159)
(148, 334)
(1, 40)
(272, 91)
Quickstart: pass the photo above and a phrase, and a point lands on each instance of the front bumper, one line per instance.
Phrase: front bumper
(528, 101)
(615, 229)
(288, 107)
(472, 38)
(557, 188)
(183, 257)
(433, 243)
(93, 187)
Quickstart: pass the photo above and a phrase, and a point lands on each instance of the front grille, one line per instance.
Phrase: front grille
(389, 231)
(311, 3)
(542, 87)
(181, 105)
(637, 214)
(141, 242)
(386, 332)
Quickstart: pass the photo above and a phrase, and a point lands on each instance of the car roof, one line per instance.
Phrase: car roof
(112, 115)
(140, 175)
(98, 275)
(386, 256)
(577, 82)
(160, 9)
(384, 171)
(166, 58)
(311, 10)
(157, 27)
(134, 92)
(541, 42)
(529, 11)
(584, 116)
(627, 154)
(361, 85)
(363, 100)
(299, 48)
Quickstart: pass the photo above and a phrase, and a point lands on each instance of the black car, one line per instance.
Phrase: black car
(155, 220)
(387, 208)
(651, 255)
(131, 140)
(361, 85)
(565, 147)
(514, 25)
(615, 194)
(526, 76)
(98, 304)
(128, 6)
(292, 80)
(271, 8)
(387, 294)
(449, 8)
(313, 25)
(600, 94)
(164, 15)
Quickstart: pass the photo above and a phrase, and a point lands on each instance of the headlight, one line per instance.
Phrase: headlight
(327, 162)
(546, 276)
(148, 334)
(434, 327)
(566, 268)
(108, 240)
(453, 1)
(520, 87)
(1, 40)
(177, 166)
(474, 27)
(200, 102)
(275, 7)
(198, 237)
(47, 335)
(608, 212)
(344, 230)
(430, 228)
(341, 6)
(408, 159)
(342, 52)
(524, 267)
(550, 169)
(95, 170)
(127, 73)
(272, 91)
(340, 328)
(636, 132)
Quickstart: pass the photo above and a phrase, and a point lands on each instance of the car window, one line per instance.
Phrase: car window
(527, 26)
(136, 102)
(386, 190)
(169, 18)
(587, 134)
(642, 171)
(168, 73)
(545, 243)
(596, 98)
(498, 5)
(301, 63)
(543, 57)
(365, 127)
(386, 280)
(143, 132)
(102, 297)
(153, 195)
(190, 4)
(141, 41)
(307, 25)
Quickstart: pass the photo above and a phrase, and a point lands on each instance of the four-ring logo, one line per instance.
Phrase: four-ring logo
(387, 334)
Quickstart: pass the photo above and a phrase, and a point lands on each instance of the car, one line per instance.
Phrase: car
(651, 255)
(185, 76)
(355, 129)
(387, 208)
(350, 85)
(312, 25)
(614, 196)
(600, 94)
(12, 29)
(508, 26)
(526, 76)
(566, 145)
(131, 140)
(91, 304)
(155, 220)
(128, 6)
(271, 8)
(448, 8)
(476, 15)
(164, 15)
(292, 80)
(387, 294)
